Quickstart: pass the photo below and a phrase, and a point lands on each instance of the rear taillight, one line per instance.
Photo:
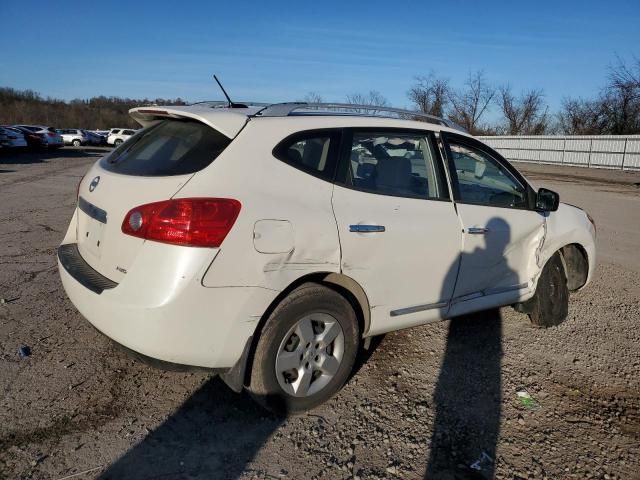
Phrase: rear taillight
(195, 222)
(51, 134)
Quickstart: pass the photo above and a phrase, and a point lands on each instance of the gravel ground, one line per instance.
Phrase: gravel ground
(429, 402)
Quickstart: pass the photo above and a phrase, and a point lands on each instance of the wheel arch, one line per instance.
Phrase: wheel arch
(343, 284)
(576, 265)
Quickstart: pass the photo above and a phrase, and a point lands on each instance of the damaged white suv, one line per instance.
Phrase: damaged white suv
(269, 243)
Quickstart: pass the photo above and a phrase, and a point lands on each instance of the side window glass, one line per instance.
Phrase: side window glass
(482, 180)
(395, 163)
(310, 153)
(313, 151)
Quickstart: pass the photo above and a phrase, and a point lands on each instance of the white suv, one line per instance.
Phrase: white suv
(119, 135)
(268, 244)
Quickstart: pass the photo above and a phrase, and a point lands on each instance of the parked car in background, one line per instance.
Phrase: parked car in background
(270, 243)
(73, 136)
(4, 141)
(34, 140)
(94, 138)
(53, 139)
(119, 135)
(103, 134)
(14, 138)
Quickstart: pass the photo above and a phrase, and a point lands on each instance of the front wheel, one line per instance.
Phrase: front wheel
(306, 351)
(550, 304)
(117, 142)
(76, 143)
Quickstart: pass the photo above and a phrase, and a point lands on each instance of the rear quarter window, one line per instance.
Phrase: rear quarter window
(171, 147)
(312, 151)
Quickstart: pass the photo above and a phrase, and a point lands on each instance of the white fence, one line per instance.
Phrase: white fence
(597, 151)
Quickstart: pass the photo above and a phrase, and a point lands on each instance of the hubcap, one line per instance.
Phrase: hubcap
(310, 354)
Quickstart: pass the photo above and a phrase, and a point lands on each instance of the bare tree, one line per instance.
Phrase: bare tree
(312, 97)
(524, 115)
(616, 111)
(620, 100)
(373, 99)
(469, 104)
(581, 117)
(430, 94)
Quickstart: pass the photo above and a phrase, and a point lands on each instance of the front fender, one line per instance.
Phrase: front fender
(566, 226)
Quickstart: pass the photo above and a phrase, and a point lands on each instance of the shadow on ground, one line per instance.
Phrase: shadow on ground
(468, 399)
(214, 434)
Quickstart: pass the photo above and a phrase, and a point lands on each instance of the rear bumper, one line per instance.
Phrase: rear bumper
(193, 325)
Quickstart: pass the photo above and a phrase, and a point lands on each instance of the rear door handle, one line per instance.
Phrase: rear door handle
(477, 230)
(366, 228)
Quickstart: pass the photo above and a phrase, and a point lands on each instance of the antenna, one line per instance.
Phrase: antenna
(231, 104)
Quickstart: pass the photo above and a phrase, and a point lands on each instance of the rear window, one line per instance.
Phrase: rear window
(171, 147)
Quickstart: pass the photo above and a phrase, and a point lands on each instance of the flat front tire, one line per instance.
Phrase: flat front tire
(550, 304)
(306, 351)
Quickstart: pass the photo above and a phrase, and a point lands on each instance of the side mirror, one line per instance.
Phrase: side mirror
(547, 200)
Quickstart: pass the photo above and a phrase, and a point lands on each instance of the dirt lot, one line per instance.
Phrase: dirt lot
(429, 402)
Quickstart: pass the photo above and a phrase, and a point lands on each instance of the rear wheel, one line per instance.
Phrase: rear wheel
(76, 143)
(550, 304)
(117, 142)
(306, 351)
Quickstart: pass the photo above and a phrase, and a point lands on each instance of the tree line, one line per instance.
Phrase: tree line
(614, 110)
(29, 107)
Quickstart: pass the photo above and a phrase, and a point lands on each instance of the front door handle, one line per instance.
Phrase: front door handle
(366, 228)
(477, 230)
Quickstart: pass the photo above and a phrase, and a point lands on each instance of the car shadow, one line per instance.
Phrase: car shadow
(214, 434)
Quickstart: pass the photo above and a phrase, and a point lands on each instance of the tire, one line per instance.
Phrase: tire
(550, 304)
(117, 142)
(292, 337)
(76, 143)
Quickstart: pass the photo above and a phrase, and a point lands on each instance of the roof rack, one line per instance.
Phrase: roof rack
(290, 108)
(306, 108)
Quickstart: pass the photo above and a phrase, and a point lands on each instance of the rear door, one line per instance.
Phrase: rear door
(502, 233)
(153, 166)
(399, 233)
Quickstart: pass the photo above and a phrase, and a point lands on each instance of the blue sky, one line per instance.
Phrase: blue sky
(276, 51)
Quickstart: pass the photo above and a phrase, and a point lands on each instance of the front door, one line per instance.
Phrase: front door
(399, 232)
(502, 234)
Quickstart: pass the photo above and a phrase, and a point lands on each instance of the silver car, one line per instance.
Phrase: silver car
(14, 138)
(49, 134)
(73, 136)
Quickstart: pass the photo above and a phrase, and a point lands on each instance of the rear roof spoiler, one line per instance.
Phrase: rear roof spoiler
(225, 121)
